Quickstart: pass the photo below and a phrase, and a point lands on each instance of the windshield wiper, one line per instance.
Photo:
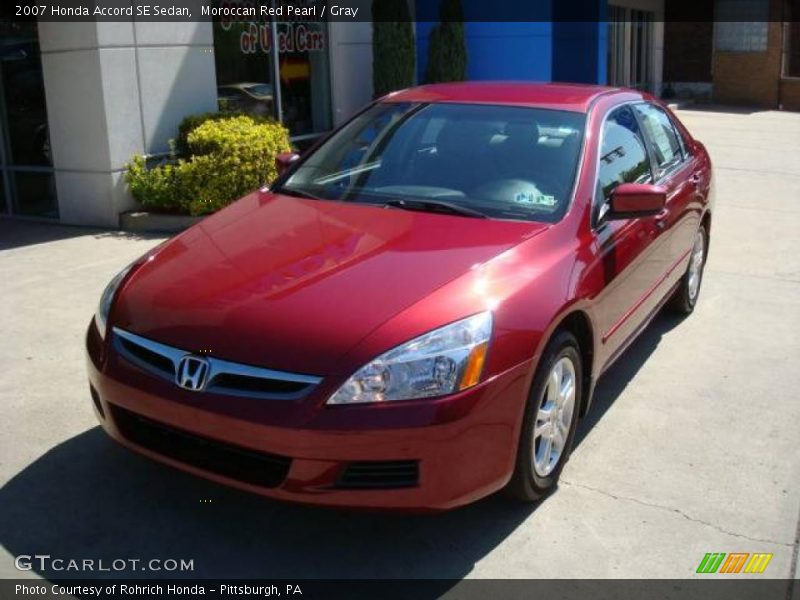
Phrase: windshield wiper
(289, 191)
(439, 206)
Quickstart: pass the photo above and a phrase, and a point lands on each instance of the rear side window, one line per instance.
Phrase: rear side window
(623, 155)
(660, 132)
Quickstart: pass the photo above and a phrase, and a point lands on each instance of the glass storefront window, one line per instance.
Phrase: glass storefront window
(3, 205)
(26, 160)
(295, 88)
(305, 77)
(244, 72)
(35, 194)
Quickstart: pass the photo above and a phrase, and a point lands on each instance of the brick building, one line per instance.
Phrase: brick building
(737, 52)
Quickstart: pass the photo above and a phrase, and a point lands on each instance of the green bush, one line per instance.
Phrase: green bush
(447, 49)
(393, 47)
(156, 188)
(192, 122)
(230, 157)
(227, 157)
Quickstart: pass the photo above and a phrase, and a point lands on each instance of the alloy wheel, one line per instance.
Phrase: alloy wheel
(554, 417)
(696, 266)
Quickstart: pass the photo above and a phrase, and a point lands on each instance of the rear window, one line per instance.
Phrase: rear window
(504, 162)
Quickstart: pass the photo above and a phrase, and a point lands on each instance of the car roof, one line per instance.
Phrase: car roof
(573, 97)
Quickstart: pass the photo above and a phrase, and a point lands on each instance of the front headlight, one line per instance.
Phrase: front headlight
(101, 316)
(446, 360)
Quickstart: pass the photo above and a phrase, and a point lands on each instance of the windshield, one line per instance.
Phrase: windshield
(503, 162)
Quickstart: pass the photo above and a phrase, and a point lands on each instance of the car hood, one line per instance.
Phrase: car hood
(294, 284)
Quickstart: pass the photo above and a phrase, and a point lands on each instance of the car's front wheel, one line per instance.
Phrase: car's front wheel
(551, 415)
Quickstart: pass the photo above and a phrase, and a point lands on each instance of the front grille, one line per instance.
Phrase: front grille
(234, 462)
(156, 361)
(388, 474)
(242, 383)
(224, 377)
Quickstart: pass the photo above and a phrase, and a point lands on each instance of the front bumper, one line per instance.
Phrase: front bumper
(463, 446)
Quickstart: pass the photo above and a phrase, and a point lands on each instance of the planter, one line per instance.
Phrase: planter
(139, 221)
(680, 104)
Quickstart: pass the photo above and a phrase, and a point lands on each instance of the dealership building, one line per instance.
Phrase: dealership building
(79, 99)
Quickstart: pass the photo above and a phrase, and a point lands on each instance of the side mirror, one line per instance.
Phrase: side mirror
(631, 200)
(284, 160)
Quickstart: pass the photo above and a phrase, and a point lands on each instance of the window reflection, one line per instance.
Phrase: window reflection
(304, 75)
(246, 70)
(243, 65)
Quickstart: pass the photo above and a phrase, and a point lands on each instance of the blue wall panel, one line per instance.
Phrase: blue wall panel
(580, 48)
(541, 49)
(496, 50)
(515, 51)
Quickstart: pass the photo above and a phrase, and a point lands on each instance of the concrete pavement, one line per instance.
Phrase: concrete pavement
(692, 445)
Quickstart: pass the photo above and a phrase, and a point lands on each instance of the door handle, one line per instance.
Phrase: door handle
(696, 178)
(661, 219)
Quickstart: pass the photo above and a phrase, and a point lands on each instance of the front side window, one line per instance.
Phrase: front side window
(660, 132)
(623, 156)
(497, 161)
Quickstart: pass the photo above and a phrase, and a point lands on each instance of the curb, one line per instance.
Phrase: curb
(137, 221)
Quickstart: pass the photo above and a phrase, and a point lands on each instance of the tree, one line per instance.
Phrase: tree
(393, 47)
(447, 49)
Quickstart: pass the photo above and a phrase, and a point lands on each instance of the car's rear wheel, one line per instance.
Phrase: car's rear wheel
(551, 415)
(688, 291)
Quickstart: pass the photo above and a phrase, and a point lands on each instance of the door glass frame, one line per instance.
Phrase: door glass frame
(598, 222)
(656, 169)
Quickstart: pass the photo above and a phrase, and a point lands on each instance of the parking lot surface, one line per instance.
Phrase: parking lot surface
(691, 447)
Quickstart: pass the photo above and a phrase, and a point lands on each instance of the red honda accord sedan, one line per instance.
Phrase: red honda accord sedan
(415, 313)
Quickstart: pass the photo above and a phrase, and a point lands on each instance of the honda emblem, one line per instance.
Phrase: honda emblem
(192, 373)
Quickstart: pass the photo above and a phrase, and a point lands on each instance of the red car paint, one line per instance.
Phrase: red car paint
(323, 287)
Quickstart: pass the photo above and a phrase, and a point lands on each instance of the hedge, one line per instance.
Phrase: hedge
(447, 48)
(393, 47)
(223, 157)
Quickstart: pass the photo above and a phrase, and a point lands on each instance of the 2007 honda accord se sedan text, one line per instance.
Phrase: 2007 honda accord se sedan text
(414, 314)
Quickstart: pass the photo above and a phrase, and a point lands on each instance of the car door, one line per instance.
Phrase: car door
(627, 249)
(682, 176)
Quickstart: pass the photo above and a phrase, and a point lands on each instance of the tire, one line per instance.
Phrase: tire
(534, 478)
(685, 297)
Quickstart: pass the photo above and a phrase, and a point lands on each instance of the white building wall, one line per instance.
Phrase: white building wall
(350, 47)
(114, 90)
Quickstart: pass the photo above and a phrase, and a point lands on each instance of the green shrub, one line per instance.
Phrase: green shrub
(192, 122)
(155, 188)
(393, 47)
(228, 157)
(447, 50)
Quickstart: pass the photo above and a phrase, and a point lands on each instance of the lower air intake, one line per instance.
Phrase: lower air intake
(388, 474)
(234, 462)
